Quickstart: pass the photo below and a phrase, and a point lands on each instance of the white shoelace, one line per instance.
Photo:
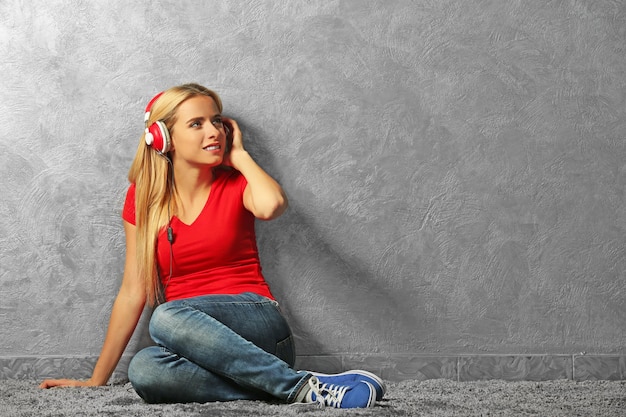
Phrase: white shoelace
(327, 394)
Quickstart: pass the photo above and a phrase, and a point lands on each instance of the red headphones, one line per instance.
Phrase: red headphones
(157, 136)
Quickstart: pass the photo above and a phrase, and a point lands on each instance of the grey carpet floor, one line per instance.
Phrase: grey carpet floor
(408, 398)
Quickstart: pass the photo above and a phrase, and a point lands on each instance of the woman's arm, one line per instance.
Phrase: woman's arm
(263, 196)
(125, 315)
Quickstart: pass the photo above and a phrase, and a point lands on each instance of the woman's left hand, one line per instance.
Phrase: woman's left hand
(263, 196)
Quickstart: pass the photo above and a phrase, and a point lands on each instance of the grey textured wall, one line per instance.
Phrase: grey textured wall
(455, 170)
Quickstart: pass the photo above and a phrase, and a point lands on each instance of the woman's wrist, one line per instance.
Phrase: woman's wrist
(238, 159)
(92, 383)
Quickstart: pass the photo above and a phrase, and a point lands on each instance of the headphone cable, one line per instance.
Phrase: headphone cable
(170, 231)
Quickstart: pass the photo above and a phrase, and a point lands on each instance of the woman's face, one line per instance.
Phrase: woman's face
(198, 136)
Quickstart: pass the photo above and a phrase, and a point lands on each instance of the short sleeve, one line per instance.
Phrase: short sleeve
(128, 213)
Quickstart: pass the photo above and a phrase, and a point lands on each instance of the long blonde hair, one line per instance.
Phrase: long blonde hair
(151, 174)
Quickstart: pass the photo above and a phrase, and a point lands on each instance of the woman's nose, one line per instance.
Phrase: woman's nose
(212, 130)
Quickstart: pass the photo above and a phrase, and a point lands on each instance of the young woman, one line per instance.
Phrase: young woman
(191, 251)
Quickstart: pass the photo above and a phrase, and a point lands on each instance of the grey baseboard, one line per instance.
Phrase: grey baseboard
(578, 367)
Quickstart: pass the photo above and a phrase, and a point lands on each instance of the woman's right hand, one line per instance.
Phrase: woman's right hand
(54, 383)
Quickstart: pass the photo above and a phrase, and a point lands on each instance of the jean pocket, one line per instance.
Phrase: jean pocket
(286, 351)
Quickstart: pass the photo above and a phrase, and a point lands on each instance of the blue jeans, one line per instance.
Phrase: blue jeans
(217, 348)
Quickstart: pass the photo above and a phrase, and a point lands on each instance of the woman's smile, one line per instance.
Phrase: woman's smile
(212, 148)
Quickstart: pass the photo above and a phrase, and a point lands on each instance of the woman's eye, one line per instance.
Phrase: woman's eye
(218, 122)
(195, 124)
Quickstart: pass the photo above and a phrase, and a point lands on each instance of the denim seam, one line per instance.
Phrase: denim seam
(299, 386)
(233, 303)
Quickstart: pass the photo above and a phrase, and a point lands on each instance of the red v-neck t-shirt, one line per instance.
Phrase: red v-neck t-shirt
(217, 253)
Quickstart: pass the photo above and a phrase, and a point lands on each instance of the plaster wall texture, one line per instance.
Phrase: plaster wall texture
(455, 169)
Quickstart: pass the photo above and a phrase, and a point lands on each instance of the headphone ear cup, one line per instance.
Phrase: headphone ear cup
(158, 137)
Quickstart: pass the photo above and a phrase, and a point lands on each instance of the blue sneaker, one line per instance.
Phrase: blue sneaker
(351, 377)
(360, 395)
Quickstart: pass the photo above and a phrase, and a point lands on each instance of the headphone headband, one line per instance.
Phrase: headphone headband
(149, 106)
